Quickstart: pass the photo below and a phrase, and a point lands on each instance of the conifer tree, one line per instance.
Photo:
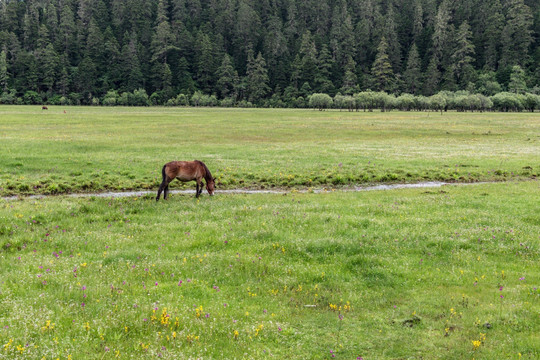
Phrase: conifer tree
(3, 71)
(350, 80)
(133, 76)
(308, 56)
(205, 61)
(518, 37)
(341, 33)
(463, 54)
(49, 63)
(390, 34)
(433, 77)
(381, 71)
(323, 84)
(517, 80)
(492, 29)
(257, 78)
(412, 76)
(227, 78)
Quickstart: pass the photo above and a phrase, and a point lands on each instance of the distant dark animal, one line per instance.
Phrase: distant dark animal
(186, 171)
(44, 108)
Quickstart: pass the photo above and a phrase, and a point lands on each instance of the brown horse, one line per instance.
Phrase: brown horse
(186, 171)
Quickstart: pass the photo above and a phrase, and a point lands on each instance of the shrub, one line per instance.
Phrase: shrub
(139, 98)
(110, 98)
(8, 97)
(227, 102)
(31, 98)
(405, 102)
(320, 101)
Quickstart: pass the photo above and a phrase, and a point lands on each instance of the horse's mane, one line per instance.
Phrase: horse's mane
(207, 175)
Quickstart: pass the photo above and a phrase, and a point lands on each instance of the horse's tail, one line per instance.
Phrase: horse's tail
(163, 172)
(208, 175)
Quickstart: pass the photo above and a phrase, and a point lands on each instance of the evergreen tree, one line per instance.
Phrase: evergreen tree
(49, 64)
(184, 80)
(323, 84)
(132, 73)
(381, 71)
(94, 42)
(257, 78)
(441, 33)
(67, 32)
(166, 80)
(3, 71)
(518, 33)
(418, 20)
(205, 58)
(433, 77)
(390, 34)
(462, 56)
(308, 58)
(341, 33)
(412, 77)
(350, 80)
(492, 22)
(171, 46)
(517, 80)
(227, 78)
(246, 30)
(163, 39)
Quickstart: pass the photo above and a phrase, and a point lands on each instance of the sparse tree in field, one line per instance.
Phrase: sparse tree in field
(320, 101)
(438, 102)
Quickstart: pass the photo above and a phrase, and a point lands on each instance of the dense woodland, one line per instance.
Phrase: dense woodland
(263, 52)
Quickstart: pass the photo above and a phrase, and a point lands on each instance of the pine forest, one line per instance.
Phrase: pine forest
(273, 53)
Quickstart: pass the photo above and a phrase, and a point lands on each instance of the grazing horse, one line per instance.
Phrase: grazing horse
(44, 108)
(186, 171)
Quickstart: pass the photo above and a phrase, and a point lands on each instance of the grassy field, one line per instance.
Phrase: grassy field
(91, 149)
(450, 273)
(444, 273)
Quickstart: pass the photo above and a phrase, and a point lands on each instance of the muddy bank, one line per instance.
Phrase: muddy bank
(381, 187)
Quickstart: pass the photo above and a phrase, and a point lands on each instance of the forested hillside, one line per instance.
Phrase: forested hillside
(76, 51)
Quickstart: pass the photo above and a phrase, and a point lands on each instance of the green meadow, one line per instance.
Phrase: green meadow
(425, 273)
(449, 273)
(91, 149)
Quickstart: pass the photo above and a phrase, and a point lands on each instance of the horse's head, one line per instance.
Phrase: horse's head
(210, 186)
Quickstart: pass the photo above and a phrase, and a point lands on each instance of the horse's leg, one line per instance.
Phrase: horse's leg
(197, 192)
(201, 187)
(161, 188)
(166, 192)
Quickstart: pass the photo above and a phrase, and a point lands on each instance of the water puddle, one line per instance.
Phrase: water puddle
(122, 194)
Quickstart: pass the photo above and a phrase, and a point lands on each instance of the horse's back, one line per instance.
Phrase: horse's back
(183, 170)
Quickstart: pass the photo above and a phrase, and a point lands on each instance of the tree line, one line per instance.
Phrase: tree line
(264, 52)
